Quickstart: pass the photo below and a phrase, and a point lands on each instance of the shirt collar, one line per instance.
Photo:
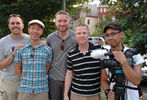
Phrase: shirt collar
(70, 33)
(28, 44)
(91, 46)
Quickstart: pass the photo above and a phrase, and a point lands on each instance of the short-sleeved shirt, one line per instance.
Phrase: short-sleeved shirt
(130, 94)
(6, 44)
(34, 73)
(86, 71)
(58, 66)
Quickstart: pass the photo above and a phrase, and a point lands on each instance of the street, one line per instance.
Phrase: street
(144, 89)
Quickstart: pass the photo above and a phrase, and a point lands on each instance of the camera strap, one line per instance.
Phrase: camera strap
(133, 88)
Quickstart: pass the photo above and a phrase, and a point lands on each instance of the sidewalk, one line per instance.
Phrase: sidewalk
(144, 97)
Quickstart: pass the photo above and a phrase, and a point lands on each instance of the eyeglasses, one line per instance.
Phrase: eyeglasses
(33, 51)
(112, 34)
(62, 45)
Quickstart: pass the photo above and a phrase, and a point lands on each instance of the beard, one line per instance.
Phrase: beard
(62, 29)
(16, 31)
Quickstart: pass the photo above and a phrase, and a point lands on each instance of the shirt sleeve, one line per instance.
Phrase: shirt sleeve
(69, 63)
(1, 54)
(18, 57)
(50, 55)
(138, 59)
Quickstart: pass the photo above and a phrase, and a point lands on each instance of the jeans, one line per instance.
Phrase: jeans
(56, 89)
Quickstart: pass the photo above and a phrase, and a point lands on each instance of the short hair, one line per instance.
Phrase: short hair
(62, 12)
(15, 15)
(82, 24)
(114, 26)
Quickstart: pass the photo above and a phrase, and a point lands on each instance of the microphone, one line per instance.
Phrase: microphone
(98, 54)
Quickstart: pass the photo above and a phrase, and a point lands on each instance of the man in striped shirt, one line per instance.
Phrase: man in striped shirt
(83, 71)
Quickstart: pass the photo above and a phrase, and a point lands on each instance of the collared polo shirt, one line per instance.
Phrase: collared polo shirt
(34, 61)
(86, 71)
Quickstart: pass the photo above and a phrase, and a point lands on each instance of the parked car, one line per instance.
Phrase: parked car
(144, 73)
(97, 40)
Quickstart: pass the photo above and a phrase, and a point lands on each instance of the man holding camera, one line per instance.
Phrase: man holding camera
(132, 74)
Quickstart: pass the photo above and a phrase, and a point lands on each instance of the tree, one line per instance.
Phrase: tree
(131, 14)
(33, 9)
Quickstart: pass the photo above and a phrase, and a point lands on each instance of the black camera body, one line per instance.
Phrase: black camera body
(116, 70)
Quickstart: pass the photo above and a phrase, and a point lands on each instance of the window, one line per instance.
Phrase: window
(88, 21)
(104, 9)
(101, 10)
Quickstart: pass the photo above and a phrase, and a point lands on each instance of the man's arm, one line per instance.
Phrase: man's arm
(18, 69)
(8, 60)
(134, 74)
(106, 85)
(48, 67)
(68, 80)
(104, 80)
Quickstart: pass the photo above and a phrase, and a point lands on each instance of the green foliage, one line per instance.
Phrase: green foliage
(43, 10)
(131, 14)
(139, 38)
(100, 26)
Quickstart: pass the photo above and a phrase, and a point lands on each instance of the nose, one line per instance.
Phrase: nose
(62, 23)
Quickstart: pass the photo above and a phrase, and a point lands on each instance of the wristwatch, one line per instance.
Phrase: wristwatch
(107, 91)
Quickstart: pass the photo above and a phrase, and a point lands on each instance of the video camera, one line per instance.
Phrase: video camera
(116, 69)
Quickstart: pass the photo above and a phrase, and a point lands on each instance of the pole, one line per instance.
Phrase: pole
(63, 5)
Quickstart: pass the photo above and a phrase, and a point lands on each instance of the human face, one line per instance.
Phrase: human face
(62, 23)
(113, 37)
(16, 25)
(82, 35)
(35, 31)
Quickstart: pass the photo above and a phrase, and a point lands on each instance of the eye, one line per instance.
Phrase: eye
(113, 34)
(17, 23)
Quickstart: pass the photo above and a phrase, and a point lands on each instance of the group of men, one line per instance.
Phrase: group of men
(61, 69)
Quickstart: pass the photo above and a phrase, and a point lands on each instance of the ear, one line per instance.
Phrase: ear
(28, 30)
(121, 34)
(23, 26)
(42, 31)
(8, 26)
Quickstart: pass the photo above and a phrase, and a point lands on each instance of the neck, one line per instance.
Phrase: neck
(17, 36)
(64, 35)
(84, 48)
(118, 48)
(35, 43)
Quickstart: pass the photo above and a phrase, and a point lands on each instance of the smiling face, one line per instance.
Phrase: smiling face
(82, 34)
(62, 22)
(113, 37)
(35, 31)
(16, 25)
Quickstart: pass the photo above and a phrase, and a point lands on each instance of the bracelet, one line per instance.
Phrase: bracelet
(12, 53)
(107, 91)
